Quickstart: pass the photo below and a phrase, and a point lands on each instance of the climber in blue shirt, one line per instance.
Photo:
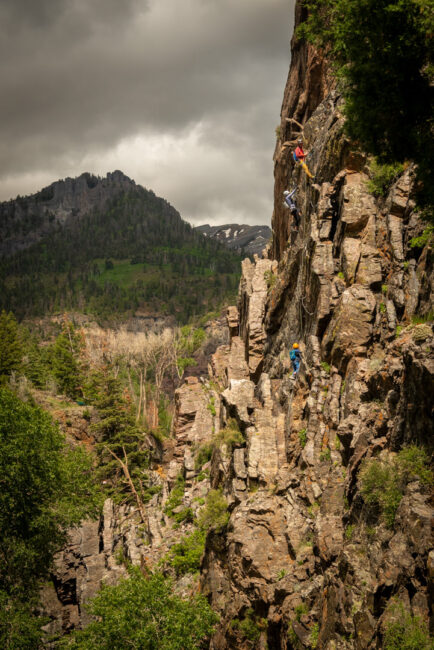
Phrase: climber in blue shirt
(295, 356)
(289, 202)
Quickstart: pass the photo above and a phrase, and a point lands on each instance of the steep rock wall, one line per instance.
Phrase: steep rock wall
(303, 562)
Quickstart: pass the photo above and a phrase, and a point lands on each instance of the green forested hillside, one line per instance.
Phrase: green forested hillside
(134, 252)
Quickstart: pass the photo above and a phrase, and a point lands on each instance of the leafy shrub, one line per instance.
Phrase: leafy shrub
(326, 454)
(425, 238)
(349, 531)
(313, 509)
(148, 493)
(302, 437)
(185, 556)
(186, 514)
(383, 176)
(413, 464)
(211, 406)
(250, 627)
(19, 628)
(203, 455)
(270, 278)
(176, 496)
(215, 514)
(383, 481)
(382, 308)
(314, 636)
(126, 617)
(230, 436)
(120, 557)
(300, 610)
(380, 490)
(406, 632)
(325, 366)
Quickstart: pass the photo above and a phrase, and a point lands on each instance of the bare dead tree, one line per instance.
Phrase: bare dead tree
(126, 471)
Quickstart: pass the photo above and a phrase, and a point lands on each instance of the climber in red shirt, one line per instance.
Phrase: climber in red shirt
(299, 153)
(299, 157)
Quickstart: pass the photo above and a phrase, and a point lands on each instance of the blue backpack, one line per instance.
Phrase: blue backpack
(292, 355)
(294, 156)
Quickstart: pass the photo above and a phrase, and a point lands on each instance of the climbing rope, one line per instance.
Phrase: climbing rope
(304, 261)
(311, 313)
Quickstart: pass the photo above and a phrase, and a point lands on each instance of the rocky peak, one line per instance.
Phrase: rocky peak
(250, 240)
(25, 220)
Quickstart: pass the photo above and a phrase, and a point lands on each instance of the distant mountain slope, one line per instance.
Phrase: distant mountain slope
(25, 220)
(247, 240)
(108, 247)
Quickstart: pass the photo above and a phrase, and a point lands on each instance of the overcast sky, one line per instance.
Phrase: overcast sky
(181, 95)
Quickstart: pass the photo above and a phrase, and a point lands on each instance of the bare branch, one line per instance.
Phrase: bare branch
(127, 475)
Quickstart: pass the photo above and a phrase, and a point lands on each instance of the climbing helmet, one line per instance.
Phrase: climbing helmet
(295, 346)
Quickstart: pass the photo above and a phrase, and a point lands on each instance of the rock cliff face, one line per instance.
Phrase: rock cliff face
(305, 561)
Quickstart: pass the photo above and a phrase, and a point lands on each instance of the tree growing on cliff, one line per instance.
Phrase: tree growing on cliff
(383, 56)
(143, 612)
(45, 487)
(122, 449)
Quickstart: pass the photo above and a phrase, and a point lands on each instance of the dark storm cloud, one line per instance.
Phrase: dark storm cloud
(83, 76)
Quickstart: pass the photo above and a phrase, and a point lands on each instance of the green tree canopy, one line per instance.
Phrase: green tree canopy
(45, 487)
(119, 436)
(384, 57)
(144, 613)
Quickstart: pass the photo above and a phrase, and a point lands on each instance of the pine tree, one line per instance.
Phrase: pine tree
(10, 345)
(119, 437)
(66, 367)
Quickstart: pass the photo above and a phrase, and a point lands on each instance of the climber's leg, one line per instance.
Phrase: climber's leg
(303, 164)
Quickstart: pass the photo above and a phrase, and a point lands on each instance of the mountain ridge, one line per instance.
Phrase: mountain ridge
(80, 243)
(54, 205)
(249, 240)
